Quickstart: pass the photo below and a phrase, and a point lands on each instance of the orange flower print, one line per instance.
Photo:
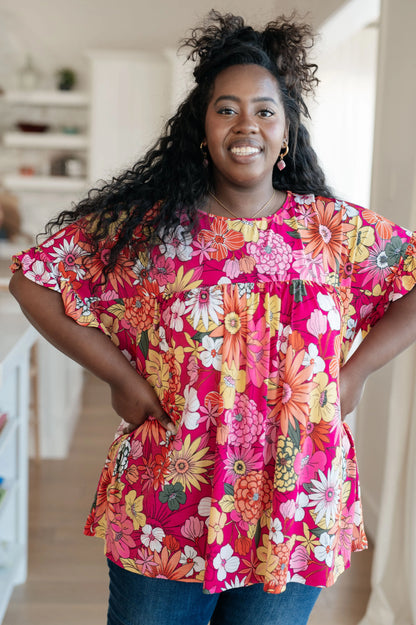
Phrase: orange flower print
(234, 326)
(252, 495)
(290, 400)
(121, 274)
(326, 235)
(221, 239)
(384, 227)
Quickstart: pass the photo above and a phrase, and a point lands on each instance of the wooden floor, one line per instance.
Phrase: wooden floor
(67, 580)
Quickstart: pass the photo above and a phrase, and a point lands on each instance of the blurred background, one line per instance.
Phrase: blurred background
(85, 88)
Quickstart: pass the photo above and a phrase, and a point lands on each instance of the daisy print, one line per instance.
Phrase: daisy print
(204, 305)
(69, 253)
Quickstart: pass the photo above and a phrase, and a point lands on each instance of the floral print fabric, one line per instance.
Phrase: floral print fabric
(241, 329)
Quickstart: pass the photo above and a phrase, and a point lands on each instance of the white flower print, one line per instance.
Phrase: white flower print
(178, 243)
(191, 554)
(190, 415)
(325, 495)
(276, 533)
(302, 501)
(211, 357)
(349, 211)
(236, 583)
(351, 328)
(204, 508)
(324, 551)
(283, 338)
(312, 358)
(225, 562)
(152, 537)
(163, 344)
(38, 272)
(174, 315)
(204, 304)
(327, 304)
(68, 252)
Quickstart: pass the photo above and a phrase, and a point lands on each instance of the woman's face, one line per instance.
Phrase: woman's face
(245, 126)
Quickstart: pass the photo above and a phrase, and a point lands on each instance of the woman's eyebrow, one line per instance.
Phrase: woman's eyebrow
(234, 98)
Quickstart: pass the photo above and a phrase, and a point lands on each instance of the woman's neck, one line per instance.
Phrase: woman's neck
(244, 203)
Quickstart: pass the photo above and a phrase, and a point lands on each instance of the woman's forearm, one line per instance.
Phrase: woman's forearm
(87, 346)
(393, 333)
(132, 397)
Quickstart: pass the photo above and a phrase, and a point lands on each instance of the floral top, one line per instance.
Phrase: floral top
(241, 329)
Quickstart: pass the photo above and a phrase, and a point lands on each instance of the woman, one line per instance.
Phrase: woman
(231, 285)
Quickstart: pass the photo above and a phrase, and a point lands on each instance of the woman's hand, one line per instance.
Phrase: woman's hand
(351, 386)
(134, 400)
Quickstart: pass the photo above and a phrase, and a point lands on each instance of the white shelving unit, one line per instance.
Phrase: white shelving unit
(45, 140)
(63, 142)
(15, 349)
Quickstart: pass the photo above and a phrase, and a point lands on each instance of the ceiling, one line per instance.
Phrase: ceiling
(66, 28)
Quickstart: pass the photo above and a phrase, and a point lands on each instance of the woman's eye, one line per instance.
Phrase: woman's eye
(266, 113)
(226, 110)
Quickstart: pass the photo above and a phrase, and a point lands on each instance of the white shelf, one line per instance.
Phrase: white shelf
(5, 435)
(10, 487)
(45, 140)
(14, 182)
(48, 98)
(8, 574)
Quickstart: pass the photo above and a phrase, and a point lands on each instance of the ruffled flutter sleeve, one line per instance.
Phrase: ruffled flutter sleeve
(380, 268)
(64, 264)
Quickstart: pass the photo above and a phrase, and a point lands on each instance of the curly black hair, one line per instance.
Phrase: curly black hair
(171, 179)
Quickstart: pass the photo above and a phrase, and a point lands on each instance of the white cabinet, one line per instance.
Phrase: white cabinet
(47, 144)
(16, 340)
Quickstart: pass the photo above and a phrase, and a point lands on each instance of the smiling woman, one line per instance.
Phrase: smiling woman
(218, 293)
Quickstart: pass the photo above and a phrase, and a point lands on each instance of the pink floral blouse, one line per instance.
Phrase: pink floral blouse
(241, 329)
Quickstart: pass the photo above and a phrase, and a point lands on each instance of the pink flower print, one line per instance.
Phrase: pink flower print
(245, 422)
(232, 268)
(258, 352)
(305, 214)
(271, 253)
(173, 316)
(299, 560)
(317, 323)
(163, 271)
(241, 461)
(287, 509)
(192, 370)
(307, 464)
(119, 537)
(145, 561)
(110, 295)
(193, 529)
(309, 268)
(203, 250)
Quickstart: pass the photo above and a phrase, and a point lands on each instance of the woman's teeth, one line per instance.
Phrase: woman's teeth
(244, 151)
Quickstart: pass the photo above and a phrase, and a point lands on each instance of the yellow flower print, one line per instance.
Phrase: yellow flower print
(134, 507)
(232, 380)
(359, 240)
(158, 373)
(187, 464)
(272, 309)
(216, 524)
(194, 348)
(112, 325)
(268, 561)
(284, 475)
(249, 229)
(308, 540)
(323, 399)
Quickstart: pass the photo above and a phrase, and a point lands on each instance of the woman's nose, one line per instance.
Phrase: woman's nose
(245, 124)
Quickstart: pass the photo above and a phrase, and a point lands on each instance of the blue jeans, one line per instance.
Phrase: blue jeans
(139, 600)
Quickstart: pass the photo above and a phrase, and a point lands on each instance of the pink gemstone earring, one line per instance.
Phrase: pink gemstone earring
(204, 150)
(281, 163)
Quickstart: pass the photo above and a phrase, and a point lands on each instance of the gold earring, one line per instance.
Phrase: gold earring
(281, 163)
